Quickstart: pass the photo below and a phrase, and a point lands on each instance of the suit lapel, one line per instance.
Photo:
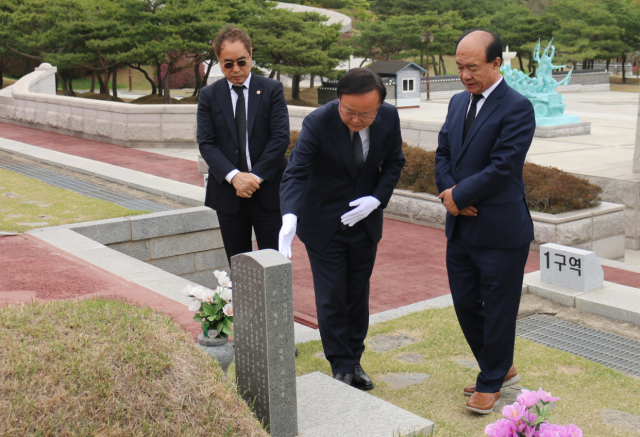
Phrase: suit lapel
(493, 101)
(224, 98)
(342, 141)
(255, 93)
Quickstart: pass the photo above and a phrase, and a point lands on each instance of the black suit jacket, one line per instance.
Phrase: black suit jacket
(487, 167)
(268, 133)
(321, 178)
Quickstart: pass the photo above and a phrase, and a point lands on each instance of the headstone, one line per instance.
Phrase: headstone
(569, 267)
(636, 153)
(264, 338)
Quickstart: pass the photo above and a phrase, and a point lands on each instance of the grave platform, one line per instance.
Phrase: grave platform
(328, 408)
(563, 130)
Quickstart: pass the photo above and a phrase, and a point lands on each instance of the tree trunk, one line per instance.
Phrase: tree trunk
(27, 67)
(159, 78)
(436, 71)
(584, 64)
(103, 87)
(278, 76)
(311, 81)
(93, 82)
(206, 75)
(530, 68)
(389, 56)
(521, 64)
(421, 57)
(295, 87)
(607, 66)
(198, 80)
(146, 76)
(167, 91)
(1, 77)
(444, 68)
(114, 84)
(624, 61)
(272, 74)
(63, 82)
(70, 84)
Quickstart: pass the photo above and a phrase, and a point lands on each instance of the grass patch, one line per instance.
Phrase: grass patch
(7, 82)
(308, 96)
(100, 367)
(625, 87)
(585, 387)
(55, 206)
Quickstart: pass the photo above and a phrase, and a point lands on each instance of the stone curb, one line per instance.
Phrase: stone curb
(613, 301)
(179, 191)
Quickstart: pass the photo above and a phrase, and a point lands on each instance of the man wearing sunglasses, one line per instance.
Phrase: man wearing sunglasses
(243, 134)
(340, 176)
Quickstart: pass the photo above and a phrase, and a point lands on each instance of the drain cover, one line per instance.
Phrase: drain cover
(614, 351)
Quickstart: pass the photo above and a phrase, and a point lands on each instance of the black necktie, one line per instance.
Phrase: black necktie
(357, 150)
(471, 115)
(241, 127)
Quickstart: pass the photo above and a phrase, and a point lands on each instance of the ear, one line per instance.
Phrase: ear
(497, 62)
(251, 52)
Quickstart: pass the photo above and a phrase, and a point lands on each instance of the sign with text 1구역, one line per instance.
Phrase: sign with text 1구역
(569, 267)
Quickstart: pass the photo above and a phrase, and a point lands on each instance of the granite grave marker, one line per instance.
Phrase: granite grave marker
(264, 338)
(569, 267)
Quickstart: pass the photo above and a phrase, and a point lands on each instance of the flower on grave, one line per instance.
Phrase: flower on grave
(222, 278)
(213, 309)
(528, 418)
(228, 309)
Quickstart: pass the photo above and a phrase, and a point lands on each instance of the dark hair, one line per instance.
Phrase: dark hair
(361, 81)
(494, 49)
(232, 34)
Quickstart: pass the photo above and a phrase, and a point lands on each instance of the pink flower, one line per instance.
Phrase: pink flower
(501, 428)
(528, 398)
(529, 416)
(546, 397)
(573, 431)
(514, 412)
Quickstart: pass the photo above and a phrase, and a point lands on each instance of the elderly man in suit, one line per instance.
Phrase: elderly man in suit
(481, 151)
(340, 176)
(243, 134)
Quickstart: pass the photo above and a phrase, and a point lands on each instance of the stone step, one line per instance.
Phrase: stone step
(614, 301)
(328, 408)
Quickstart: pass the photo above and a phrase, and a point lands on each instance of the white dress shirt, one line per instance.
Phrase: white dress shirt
(485, 94)
(234, 102)
(364, 136)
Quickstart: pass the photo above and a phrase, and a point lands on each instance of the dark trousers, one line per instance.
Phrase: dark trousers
(236, 228)
(341, 273)
(486, 286)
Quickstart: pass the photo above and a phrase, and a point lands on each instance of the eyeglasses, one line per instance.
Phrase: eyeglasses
(364, 117)
(229, 65)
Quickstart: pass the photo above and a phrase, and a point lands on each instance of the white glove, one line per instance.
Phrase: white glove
(365, 206)
(287, 232)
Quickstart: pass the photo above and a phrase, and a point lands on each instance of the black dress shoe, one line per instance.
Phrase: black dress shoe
(361, 380)
(344, 377)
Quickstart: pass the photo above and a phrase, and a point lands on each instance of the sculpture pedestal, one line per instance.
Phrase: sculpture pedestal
(563, 130)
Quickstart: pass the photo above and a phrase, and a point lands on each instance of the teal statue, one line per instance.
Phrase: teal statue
(541, 90)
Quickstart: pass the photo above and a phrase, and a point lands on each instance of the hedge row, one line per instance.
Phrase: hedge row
(547, 189)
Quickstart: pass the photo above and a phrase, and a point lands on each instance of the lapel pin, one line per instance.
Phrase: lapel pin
(258, 92)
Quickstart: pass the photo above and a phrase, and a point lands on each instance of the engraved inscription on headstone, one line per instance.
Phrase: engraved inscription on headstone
(264, 338)
(570, 267)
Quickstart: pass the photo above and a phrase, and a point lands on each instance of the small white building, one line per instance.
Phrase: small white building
(403, 81)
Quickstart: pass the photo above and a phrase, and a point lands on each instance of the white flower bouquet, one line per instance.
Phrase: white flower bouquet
(214, 307)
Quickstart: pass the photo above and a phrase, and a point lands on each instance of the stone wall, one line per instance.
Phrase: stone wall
(184, 242)
(599, 229)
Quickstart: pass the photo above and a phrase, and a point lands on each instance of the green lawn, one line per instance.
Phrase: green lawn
(585, 387)
(26, 200)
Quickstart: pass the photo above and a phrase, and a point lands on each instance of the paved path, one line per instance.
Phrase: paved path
(411, 259)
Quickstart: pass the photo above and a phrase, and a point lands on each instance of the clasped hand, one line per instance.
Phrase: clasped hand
(245, 184)
(447, 200)
(364, 207)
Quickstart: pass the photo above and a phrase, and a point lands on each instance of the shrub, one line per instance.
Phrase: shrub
(182, 79)
(547, 189)
(554, 191)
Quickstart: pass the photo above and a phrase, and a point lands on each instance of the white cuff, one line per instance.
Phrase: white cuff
(290, 218)
(231, 175)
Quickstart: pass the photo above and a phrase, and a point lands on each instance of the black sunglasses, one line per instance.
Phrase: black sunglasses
(229, 65)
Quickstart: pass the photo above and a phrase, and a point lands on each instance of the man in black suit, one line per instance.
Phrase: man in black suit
(243, 134)
(481, 151)
(349, 155)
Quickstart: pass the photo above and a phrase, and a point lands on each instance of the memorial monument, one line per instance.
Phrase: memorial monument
(264, 338)
(541, 91)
